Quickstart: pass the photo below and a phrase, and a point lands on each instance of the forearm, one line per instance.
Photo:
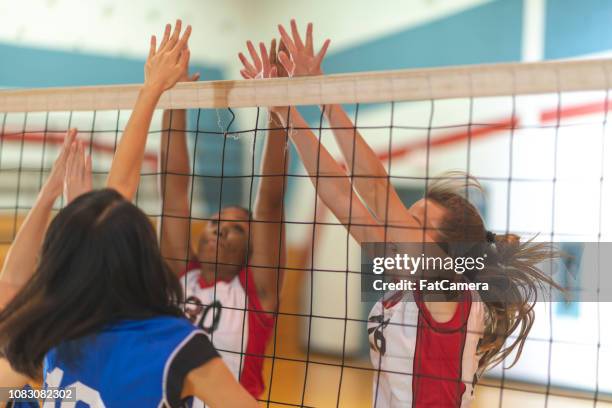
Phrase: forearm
(214, 384)
(331, 183)
(174, 179)
(174, 155)
(174, 162)
(273, 170)
(370, 177)
(124, 174)
(267, 224)
(20, 261)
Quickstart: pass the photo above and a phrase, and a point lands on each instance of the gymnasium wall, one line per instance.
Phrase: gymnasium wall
(107, 44)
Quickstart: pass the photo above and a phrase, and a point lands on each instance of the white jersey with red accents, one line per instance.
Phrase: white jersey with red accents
(420, 362)
(230, 313)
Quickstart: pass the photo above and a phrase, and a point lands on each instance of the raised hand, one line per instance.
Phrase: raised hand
(185, 77)
(300, 60)
(262, 66)
(168, 64)
(77, 179)
(281, 72)
(55, 183)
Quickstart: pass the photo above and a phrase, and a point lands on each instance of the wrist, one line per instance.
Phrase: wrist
(48, 195)
(151, 90)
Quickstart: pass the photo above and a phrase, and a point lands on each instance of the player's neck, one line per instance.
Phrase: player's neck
(210, 272)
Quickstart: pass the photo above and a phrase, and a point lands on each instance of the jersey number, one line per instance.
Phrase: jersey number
(82, 392)
(198, 309)
(378, 341)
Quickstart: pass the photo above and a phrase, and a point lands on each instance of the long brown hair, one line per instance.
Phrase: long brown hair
(511, 268)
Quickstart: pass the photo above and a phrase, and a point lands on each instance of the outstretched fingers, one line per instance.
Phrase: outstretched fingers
(296, 35)
(175, 35)
(182, 43)
(265, 58)
(286, 62)
(309, 46)
(273, 51)
(289, 44)
(70, 160)
(254, 56)
(321, 54)
(68, 139)
(247, 65)
(153, 47)
(165, 37)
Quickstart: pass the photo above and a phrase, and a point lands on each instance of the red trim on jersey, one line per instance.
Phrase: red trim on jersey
(392, 298)
(193, 264)
(260, 329)
(438, 359)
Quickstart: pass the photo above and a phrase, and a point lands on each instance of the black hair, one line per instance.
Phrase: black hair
(100, 263)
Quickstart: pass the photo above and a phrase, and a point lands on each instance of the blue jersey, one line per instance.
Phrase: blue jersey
(133, 363)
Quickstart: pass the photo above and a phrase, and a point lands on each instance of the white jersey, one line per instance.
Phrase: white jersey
(420, 362)
(230, 313)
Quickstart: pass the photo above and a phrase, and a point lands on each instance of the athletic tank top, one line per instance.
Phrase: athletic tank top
(422, 363)
(230, 313)
(133, 363)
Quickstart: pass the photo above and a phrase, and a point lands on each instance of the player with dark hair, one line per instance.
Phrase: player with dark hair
(100, 314)
(233, 273)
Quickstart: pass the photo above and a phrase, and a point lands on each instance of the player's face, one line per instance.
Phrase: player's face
(225, 238)
(429, 214)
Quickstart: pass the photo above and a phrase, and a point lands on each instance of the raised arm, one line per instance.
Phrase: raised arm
(20, 261)
(370, 179)
(174, 186)
(333, 186)
(174, 183)
(267, 230)
(163, 68)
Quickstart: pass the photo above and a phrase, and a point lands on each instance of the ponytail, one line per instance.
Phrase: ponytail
(511, 269)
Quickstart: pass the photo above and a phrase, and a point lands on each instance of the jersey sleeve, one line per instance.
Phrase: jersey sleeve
(195, 351)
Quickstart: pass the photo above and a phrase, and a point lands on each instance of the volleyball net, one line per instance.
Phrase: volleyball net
(535, 135)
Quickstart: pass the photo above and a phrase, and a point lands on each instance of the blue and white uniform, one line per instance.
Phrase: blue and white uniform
(133, 363)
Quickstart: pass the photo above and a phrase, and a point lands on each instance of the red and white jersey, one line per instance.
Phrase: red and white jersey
(230, 313)
(420, 362)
